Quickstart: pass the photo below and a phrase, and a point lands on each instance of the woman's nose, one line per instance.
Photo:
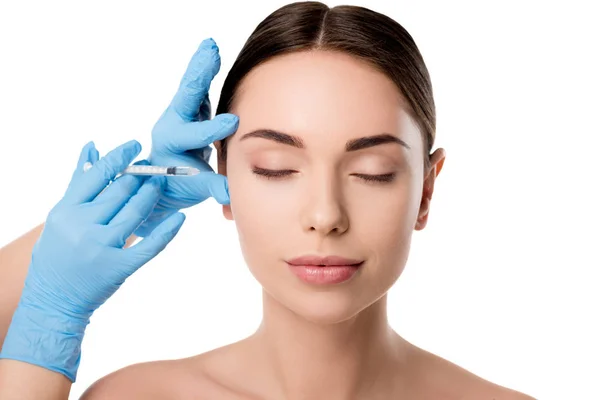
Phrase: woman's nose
(324, 210)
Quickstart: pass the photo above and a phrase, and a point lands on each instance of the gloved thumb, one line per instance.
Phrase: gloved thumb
(210, 184)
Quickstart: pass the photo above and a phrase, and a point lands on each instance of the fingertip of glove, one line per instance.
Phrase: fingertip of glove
(134, 145)
(175, 222)
(210, 44)
(87, 156)
(180, 217)
(227, 187)
(220, 191)
(88, 150)
(227, 119)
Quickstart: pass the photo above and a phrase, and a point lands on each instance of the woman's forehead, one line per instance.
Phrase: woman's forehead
(319, 90)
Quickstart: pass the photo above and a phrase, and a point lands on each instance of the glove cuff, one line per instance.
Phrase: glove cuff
(49, 340)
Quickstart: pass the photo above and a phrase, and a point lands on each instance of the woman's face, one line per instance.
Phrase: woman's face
(324, 204)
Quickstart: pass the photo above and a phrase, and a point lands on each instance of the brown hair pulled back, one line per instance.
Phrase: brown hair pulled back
(354, 30)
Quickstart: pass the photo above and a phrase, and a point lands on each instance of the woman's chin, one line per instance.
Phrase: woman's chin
(322, 308)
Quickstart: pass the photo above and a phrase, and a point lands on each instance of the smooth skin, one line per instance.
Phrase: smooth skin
(325, 205)
(326, 343)
(333, 343)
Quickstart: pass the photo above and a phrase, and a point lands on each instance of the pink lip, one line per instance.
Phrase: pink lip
(324, 275)
(318, 260)
(324, 270)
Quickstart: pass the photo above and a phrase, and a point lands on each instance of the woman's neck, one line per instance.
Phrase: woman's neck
(305, 359)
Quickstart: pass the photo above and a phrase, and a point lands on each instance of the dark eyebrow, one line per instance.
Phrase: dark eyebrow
(351, 145)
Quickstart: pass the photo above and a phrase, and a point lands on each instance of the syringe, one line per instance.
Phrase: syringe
(154, 170)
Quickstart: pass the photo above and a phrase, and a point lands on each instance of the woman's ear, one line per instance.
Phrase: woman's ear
(437, 162)
(222, 170)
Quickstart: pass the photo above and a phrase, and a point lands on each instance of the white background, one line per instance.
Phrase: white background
(503, 281)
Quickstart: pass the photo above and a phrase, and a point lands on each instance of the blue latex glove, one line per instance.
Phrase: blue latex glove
(79, 261)
(182, 137)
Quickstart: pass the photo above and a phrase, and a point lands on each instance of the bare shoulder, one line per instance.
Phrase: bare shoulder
(444, 379)
(155, 380)
(205, 376)
(482, 389)
(492, 391)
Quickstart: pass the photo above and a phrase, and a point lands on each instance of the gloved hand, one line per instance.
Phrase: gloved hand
(79, 261)
(182, 137)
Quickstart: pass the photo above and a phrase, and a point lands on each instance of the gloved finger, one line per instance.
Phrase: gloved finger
(112, 199)
(195, 135)
(201, 154)
(136, 211)
(208, 184)
(194, 85)
(85, 187)
(205, 109)
(88, 154)
(153, 244)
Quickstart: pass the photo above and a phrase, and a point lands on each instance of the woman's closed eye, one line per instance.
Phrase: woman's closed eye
(283, 173)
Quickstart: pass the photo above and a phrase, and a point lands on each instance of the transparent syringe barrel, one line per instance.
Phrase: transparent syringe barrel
(149, 170)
